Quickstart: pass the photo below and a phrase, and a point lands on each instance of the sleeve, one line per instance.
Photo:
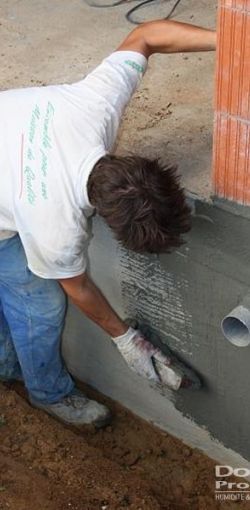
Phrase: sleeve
(106, 91)
(117, 77)
(54, 249)
(48, 263)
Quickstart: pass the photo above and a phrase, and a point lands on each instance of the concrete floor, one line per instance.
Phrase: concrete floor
(170, 116)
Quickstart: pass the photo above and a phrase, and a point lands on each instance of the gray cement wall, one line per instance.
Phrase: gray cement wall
(183, 296)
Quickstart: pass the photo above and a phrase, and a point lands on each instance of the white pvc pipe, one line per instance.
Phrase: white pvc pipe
(236, 326)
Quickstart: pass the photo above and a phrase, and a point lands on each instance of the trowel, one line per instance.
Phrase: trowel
(175, 375)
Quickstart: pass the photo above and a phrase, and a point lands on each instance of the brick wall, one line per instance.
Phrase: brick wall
(231, 169)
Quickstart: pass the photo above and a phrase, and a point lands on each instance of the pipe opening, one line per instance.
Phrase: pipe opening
(236, 331)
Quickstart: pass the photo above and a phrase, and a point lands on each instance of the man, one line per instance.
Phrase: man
(56, 167)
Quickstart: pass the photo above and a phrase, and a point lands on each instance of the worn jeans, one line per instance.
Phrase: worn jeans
(32, 312)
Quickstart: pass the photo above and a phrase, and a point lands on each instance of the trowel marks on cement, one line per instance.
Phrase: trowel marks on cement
(151, 294)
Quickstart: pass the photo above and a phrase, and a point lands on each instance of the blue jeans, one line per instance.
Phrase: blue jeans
(32, 312)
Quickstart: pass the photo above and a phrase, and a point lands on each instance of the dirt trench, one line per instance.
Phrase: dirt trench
(130, 464)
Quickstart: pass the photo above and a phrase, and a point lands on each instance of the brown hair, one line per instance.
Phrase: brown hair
(142, 202)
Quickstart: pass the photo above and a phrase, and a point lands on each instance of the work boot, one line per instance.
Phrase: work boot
(77, 409)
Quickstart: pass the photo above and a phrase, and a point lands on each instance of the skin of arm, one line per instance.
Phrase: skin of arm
(153, 37)
(166, 36)
(86, 296)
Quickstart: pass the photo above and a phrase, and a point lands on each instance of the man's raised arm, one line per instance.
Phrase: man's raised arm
(166, 36)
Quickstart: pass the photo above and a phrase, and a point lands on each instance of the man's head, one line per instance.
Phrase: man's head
(142, 202)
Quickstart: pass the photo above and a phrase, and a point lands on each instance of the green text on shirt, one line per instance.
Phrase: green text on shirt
(136, 66)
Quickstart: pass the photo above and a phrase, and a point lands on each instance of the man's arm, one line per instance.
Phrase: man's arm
(136, 350)
(166, 36)
(92, 303)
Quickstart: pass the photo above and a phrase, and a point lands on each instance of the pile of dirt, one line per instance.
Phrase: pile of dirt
(130, 464)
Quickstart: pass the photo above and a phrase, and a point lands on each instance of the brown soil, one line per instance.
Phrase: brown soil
(131, 464)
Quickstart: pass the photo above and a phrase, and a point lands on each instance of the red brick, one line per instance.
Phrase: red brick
(231, 171)
(233, 64)
(236, 4)
(232, 159)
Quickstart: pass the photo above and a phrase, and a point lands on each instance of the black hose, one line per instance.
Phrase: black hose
(106, 6)
(145, 2)
(129, 14)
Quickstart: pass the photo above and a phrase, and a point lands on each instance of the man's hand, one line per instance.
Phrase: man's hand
(165, 36)
(138, 353)
(150, 362)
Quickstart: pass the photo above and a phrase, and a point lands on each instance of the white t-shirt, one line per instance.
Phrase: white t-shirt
(50, 139)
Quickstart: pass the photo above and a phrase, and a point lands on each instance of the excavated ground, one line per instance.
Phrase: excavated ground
(130, 464)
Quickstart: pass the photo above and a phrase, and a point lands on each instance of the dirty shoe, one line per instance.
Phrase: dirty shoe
(77, 409)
